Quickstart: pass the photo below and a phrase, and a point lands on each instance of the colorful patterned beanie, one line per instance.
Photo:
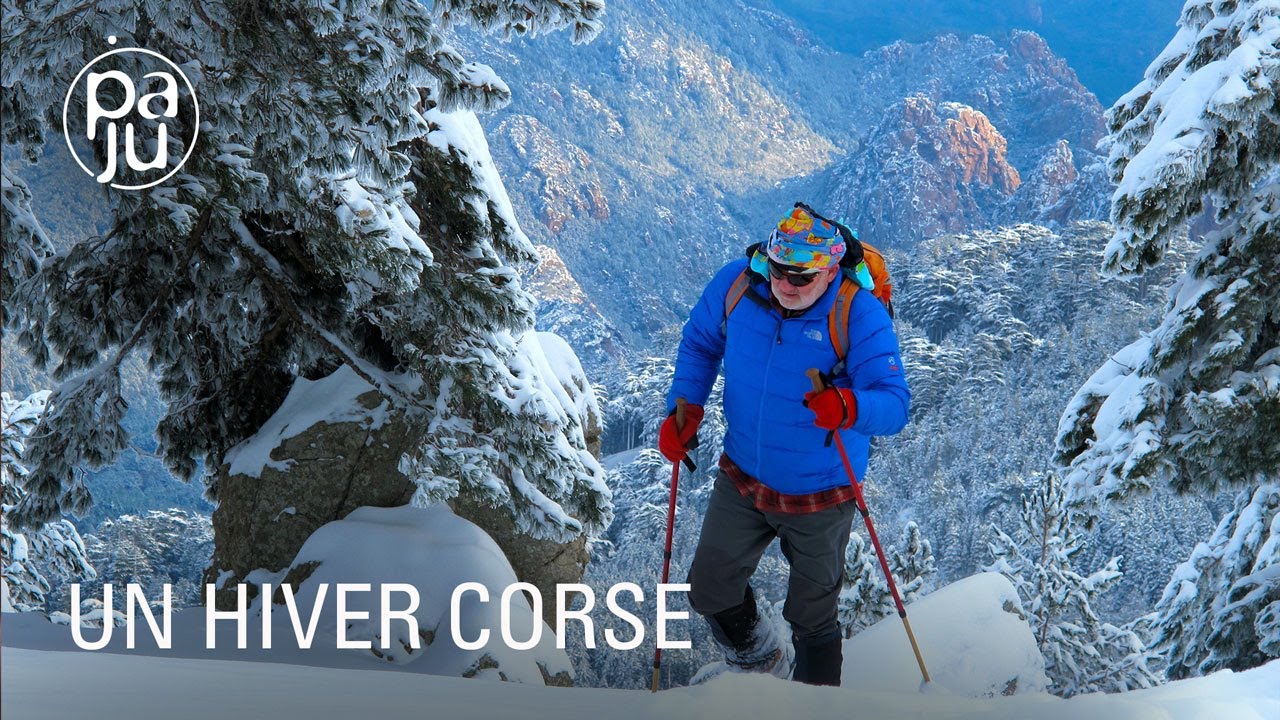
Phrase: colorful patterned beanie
(801, 240)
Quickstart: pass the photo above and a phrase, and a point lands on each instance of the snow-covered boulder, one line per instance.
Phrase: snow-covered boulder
(974, 638)
(435, 551)
(333, 445)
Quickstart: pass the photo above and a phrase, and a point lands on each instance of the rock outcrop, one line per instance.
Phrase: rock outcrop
(282, 484)
(929, 168)
(980, 152)
(335, 445)
(1057, 193)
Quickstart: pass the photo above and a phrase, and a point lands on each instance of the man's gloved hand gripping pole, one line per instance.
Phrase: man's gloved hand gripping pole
(835, 408)
(679, 433)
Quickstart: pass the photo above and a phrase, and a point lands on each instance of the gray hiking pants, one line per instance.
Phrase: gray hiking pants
(735, 535)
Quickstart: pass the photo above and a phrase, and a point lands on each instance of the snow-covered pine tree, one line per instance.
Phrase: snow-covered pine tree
(971, 282)
(971, 474)
(866, 598)
(1082, 652)
(1197, 400)
(152, 548)
(338, 211)
(636, 405)
(36, 559)
(911, 562)
(1220, 608)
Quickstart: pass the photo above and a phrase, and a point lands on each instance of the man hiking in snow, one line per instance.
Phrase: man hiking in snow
(779, 475)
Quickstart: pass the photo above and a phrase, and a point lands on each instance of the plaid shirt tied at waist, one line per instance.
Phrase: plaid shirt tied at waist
(766, 499)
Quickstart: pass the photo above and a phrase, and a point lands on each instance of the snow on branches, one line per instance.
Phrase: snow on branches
(49, 552)
(1221, 608)
(1197, 400)
(1203, 122)
(1082, 652)
(340, 208)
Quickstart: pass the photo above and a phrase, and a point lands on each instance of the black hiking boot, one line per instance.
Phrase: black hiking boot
(818, 660)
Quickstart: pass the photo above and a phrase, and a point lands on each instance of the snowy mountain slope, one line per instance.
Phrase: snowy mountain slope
(928, 169)
(949, 130)
(670, 140)
(391, 553)
(619, 153)
(565, 309)
(973, 634)
(979, 648)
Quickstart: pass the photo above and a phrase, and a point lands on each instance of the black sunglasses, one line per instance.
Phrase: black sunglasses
(797, 277)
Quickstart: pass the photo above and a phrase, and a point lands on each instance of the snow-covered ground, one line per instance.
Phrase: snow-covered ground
(63, 685)
(978, 648)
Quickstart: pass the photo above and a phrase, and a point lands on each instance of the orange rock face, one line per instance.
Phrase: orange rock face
(979, 149)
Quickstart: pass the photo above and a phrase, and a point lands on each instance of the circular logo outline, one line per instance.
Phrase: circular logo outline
(66, 107)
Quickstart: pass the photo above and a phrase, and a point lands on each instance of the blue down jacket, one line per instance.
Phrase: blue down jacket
(771, 434)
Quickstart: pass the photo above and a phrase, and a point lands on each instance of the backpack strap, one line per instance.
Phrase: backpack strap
(739, 288)
(838, 321)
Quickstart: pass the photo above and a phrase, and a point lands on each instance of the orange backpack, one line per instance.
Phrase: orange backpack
(882, 284)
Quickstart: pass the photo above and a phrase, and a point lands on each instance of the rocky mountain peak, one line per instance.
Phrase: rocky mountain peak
(1060, 189)
(928, 168)
(1057, 170)
(1018, 83)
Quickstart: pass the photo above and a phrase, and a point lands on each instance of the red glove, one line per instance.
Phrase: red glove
(835, 408)
(673, 443)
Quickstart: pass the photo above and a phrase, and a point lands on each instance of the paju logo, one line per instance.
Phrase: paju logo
(112, 95)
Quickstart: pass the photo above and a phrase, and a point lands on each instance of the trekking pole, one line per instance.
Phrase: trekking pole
(671, 523)
(816, 378)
